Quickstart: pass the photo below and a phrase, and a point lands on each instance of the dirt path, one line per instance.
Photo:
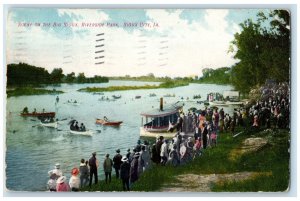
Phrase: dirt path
(203, 182)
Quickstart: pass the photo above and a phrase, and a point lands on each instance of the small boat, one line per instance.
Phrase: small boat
(138, 97)
(169, 95)
(73, 103)
(98, 93)
(108, 123)
(234, 103)
(50, 124)
(36, 114)
(116, 97)
(217, 103)
(152, 95)
(87, 132)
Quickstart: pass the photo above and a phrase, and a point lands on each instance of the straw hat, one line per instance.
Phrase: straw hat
(124, 159)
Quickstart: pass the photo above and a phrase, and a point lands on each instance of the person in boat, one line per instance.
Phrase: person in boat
(76, 126)
(25, 110)
(105, 118)
(43, 110)
(82, 127)
(75, 101)
(57, 99)
(117, 162)
(34, 111)
(51, 120)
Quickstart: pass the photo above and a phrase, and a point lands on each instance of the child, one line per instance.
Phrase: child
(74, 180)
(52, 182)
(62, 186)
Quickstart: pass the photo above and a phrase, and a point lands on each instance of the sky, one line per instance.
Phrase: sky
(118, 42)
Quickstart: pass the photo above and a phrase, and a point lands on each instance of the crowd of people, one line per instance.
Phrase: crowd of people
(271, 111)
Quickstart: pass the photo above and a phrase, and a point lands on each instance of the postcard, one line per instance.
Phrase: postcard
(147, 100)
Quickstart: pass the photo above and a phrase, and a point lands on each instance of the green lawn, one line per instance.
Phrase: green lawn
(273, 158)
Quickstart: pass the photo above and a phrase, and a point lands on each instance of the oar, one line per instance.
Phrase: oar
(35, 125)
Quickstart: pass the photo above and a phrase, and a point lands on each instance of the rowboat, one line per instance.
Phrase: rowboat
(108, 123)
(116, 97)
(36, 114)
(87, 132)
(138, 97)
(49, 124)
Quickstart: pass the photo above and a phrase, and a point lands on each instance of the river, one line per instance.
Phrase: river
(31, 151)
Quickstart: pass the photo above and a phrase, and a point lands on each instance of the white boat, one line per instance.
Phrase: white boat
(87, 132)
(157, 121)
(217, 103)
(234, 103)
(50, 124)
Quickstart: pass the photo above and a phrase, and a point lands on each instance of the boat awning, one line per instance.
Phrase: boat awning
(168, 110)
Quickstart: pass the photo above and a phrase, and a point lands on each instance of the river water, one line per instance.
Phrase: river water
(31, 151)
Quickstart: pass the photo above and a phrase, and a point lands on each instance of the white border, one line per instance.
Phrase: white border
(292, 194)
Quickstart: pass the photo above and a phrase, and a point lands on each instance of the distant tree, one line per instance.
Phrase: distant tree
(70, 77)
(81, 78)
(23, 74)
(56, 75)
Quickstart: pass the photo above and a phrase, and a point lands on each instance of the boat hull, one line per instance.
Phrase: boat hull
(51, 125)
(88, 132)
(45, 114)
(234, 103)
(108, 123)
(146, 133)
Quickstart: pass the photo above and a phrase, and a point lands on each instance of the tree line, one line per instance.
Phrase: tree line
(263, 49)
(23, 74)
(215, 76)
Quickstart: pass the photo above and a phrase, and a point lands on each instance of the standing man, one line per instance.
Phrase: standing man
(93, 163)
(107, 166)
(125, 173)
(117, 162)
(204, 133)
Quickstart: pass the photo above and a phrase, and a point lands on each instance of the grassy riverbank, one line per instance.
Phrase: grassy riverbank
(168, 84)
(272, 162)
(28, 91)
